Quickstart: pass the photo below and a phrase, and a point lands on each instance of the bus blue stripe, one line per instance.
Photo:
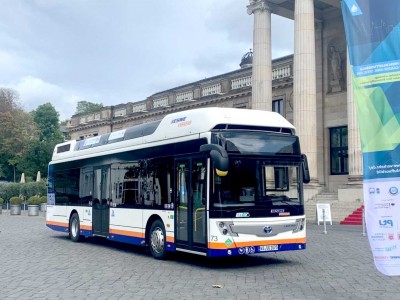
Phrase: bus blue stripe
(253, 250)
(58, 228)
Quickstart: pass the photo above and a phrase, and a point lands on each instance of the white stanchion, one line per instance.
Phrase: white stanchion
(324, 220)
(363, 222)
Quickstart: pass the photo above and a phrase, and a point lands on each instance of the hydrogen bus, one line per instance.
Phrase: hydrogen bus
(209, 181)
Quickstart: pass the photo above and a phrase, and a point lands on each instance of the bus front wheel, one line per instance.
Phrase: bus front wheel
(74, 228)
(158, 240)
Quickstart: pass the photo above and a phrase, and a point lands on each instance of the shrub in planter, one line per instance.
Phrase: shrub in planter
(43, 199)
(15, 201)
(34, 200)
(33, 206)
(15, 208)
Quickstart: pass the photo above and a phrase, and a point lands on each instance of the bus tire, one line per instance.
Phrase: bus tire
(74, 228)
(157, 240)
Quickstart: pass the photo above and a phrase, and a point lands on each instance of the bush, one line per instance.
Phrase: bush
(9, 189)
(43, 199)
(30, 189)
(15, 200)
(34, 200)
(1, 201)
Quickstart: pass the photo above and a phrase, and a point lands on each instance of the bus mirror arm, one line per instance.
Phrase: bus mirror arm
(306, 171)
(219, 157)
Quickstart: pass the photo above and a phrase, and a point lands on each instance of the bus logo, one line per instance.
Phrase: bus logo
(243, 215)
(267, 229)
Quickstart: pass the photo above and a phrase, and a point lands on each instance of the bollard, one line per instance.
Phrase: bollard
(323, 219)
(363, 222)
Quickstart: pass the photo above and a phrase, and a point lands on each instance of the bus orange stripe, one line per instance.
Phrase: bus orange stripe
(214, 245)
(127, 233)
(170, 239)
(86, 227)
(62, 224)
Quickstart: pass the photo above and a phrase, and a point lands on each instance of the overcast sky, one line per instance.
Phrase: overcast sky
(112, 52)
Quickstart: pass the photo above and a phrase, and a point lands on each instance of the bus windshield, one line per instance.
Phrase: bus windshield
(257, 142)
(259, 187)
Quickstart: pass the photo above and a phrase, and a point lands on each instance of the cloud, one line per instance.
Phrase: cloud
(35, 92)
(112, 52)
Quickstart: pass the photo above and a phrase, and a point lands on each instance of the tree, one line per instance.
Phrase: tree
(9, 100)
(47, 120)
(16, 131)
(41, 149)
(86, 107)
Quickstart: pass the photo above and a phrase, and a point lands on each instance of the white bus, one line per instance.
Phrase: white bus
(210, 181)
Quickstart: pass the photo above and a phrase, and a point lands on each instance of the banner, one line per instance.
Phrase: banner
(373, 39)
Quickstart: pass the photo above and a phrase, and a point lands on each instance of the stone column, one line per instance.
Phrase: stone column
(354, 142)
(262, 69)
(304, 84)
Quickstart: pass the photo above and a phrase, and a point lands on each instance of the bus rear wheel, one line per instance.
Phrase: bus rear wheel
(158, 240)
(74, 228)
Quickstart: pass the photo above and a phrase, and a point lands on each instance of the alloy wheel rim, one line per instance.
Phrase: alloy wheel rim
(157, 240)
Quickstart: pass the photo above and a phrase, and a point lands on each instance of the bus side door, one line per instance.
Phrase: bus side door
(190, 203)
(101, 196)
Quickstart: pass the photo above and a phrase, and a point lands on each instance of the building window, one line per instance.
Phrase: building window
(277, 106)
(120, 112)
(241, 82)
(162, 102)
(211, 90)
(339, 150)
(186, 96)
(139, 107)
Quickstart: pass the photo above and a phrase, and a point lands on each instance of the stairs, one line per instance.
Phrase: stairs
(339, 209)
(355, 218)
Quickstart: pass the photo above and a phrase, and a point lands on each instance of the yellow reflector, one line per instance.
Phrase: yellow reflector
(221, 173)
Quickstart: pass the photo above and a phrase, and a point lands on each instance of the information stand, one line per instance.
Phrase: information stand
(321, 208)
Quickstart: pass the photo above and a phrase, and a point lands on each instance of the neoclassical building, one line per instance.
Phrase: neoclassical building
(311, 88)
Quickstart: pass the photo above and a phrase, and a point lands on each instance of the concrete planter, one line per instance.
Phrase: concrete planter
(33, 210)
(43, 207)
(15, 209)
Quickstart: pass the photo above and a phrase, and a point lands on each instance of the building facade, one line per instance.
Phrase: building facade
(311, 88)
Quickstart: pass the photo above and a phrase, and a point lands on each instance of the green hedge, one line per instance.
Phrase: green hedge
(30, 189)
(26, 190)
(8, 190)
(1, 201)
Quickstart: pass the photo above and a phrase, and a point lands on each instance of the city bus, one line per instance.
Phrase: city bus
(209, 181)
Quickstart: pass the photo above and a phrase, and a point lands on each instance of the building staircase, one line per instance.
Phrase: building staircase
(339, 210)
(355, 218)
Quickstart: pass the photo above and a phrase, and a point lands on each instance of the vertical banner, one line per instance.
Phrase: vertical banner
(373, 39)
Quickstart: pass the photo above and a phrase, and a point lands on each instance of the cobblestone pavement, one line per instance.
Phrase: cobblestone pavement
(38, 263)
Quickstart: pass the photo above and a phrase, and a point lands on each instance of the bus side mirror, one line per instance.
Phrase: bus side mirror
(219, 156)
(306, 171)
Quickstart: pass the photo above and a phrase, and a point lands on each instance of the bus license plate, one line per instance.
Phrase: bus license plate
(269, 248)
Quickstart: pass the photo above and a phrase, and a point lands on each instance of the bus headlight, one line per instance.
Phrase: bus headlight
(299, 225)
(225, 228)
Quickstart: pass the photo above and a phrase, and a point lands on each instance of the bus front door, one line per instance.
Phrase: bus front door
(101, 208)
(190, 204)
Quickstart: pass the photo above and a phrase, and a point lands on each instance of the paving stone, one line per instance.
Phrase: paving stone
(38, 263)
